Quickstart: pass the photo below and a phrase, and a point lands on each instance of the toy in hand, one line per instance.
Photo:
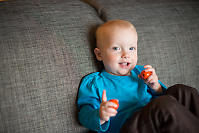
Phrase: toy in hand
(145, 74)
(116, 102)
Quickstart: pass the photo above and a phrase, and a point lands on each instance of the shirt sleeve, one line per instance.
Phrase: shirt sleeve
(89, 117)
(89, 103)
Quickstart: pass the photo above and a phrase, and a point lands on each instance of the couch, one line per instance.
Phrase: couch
(46, 47)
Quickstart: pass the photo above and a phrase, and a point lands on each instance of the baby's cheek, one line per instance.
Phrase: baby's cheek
(134, 58)
(113, 57)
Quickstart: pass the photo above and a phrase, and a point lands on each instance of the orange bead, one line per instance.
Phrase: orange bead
(145, 74)
(116, 102)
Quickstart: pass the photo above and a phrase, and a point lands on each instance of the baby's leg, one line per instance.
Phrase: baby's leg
(162, 115)
(187, 96)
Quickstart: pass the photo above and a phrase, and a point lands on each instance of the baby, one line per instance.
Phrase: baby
(121, 80)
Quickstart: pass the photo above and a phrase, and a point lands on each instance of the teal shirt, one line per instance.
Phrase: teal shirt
(131, 92)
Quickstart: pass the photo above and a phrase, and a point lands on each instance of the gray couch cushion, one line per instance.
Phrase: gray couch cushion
(168, 35)
(44, 52)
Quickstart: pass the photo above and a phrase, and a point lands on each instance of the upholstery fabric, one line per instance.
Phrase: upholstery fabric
(168, 34)
(46, 47)
(44, 52)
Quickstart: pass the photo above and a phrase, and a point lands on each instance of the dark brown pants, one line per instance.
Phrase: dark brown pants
(175, 112)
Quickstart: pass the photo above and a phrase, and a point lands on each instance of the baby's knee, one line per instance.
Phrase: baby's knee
(182, 88)
(164, 102)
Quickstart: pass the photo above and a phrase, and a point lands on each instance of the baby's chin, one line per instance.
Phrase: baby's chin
(121, 73)
(125, 72)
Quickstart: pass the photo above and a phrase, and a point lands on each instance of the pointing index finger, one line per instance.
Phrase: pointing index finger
(104, 98)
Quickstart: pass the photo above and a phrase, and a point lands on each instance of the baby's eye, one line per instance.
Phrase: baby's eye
(131, 48)
(116, 48)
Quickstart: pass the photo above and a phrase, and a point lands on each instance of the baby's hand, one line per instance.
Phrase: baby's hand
(152, 80)
(106, 109)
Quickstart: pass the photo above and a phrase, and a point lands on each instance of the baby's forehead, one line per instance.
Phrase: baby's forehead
(116, 24)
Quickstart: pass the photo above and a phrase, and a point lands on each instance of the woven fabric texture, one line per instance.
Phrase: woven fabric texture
(46, 47)
(168, 34)
(44, 52)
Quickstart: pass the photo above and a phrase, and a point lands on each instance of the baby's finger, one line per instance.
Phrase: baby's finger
(109, 114)
(147, 66)
(106, 118)
(150, 80)
(110, 110)
(103, 105)
(150, 70)
(111, 104)
(104, 98)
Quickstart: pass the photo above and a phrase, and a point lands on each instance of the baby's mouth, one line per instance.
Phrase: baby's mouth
(124, 64)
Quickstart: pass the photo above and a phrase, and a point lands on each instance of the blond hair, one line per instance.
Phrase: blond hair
(112, 24)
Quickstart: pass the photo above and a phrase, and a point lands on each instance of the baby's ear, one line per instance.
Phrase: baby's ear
(98, 54)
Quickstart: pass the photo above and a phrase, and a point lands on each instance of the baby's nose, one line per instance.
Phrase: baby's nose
(125, 55)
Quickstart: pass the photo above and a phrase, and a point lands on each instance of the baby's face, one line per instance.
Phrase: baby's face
(118, 50)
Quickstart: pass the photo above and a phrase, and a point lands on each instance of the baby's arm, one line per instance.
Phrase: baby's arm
(152, 80)
(89, 104)
(89, 117)
(93, 117)
(106, 109)
(92, 112)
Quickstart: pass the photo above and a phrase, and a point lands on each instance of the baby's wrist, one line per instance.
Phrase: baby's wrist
(158, 88)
